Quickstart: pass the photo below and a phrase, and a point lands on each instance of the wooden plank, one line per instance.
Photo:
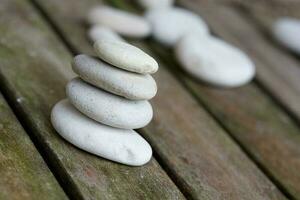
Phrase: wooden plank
(34, 68)
(23, 172)
(203, 161)
(264, 15)
(264, 130)
(276, 71)
(253, 125)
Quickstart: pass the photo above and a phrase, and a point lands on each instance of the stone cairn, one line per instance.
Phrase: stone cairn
(107, 101)
(110, 97)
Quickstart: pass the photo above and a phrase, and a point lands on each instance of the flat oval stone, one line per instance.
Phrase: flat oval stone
(107, 108)
(119, 145)
(214, 61)
(287, 31)
(122, 22)
(170, 24)
(125, 56)
(97, 32)
(155, 4)
(117, 81)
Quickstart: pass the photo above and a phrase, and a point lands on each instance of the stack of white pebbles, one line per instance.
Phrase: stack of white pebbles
(110, 97)
(108, 100)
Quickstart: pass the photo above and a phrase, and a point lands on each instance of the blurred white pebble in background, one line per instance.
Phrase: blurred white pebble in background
(98, 32)
(170, 24)
(214, 61)
(124, 23)
(155, 4)
(287, 31)
(206, 57)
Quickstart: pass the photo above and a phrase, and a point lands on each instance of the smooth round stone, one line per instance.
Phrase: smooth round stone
(107, 108)
(287, 31)
(155, 4)
(122, 22)
(97, 32)
(214, 61)
(119, 145)
(124, 83)
(170, 24)
(125, 56)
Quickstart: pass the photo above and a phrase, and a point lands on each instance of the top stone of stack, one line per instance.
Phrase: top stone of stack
(125, 56)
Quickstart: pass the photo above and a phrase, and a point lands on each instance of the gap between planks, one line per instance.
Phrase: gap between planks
(22, 167)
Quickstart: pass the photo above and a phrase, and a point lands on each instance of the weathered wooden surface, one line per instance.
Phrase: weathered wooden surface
(265, 131)
(195, 151)
(275, 70)
(23, 172)
(34, 68)
(264, 15)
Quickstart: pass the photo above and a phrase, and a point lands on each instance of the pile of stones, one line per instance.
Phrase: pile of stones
(110, 97)
(108, 100)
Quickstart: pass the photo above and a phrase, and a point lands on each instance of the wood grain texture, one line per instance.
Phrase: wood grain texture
(265, 131)
(276, 71)
(23, 172)
(263, 16)
(200, 157)
(34, 68)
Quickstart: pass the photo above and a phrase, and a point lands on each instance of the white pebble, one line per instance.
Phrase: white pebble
(122, 22)
(287, 31)
(170, 24)
(155, 4)
(125, 56)
(127, 84)
(97, 32)
(107, 108)
(214, 61)
(119, 145)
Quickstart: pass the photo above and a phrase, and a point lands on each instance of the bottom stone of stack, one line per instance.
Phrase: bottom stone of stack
(119, 145)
